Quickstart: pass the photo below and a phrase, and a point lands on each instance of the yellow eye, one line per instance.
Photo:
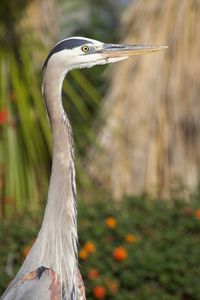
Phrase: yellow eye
(85, 48)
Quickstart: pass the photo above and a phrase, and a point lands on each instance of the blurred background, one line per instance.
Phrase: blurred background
(136, 127)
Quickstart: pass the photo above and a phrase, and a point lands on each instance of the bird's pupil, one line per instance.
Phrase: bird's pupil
(85, 48)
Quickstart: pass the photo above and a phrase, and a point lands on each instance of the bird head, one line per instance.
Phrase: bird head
(80, 52)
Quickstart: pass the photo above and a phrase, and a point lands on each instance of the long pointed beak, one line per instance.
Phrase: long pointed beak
(122, 50)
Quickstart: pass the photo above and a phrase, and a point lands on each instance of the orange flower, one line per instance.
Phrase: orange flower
(99, 292)
(197, 213)
(131, 238)
(120, 254)
(26, 250)
(3, 116)
(110, 222)
(93, 274)
(89, 247)
(83, 254)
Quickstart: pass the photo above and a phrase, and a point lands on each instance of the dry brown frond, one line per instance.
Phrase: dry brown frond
(150, 140)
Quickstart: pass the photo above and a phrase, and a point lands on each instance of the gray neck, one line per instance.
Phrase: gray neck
(62, 190)
(56, 244)
(59, 229)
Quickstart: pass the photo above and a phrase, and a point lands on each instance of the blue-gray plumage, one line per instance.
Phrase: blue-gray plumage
(50, 271)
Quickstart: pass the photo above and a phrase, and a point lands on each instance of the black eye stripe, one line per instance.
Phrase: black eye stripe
(66, 44)
(69, 44)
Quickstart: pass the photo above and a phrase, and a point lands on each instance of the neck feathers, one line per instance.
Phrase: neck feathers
(59, 228)
(56, 244)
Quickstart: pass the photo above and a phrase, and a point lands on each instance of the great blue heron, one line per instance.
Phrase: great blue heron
(50, 271)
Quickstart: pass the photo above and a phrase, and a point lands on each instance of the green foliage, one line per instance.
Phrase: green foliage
(24, 134)
(162, 260)
(16, 237)
(95, 19)
(25, 137)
